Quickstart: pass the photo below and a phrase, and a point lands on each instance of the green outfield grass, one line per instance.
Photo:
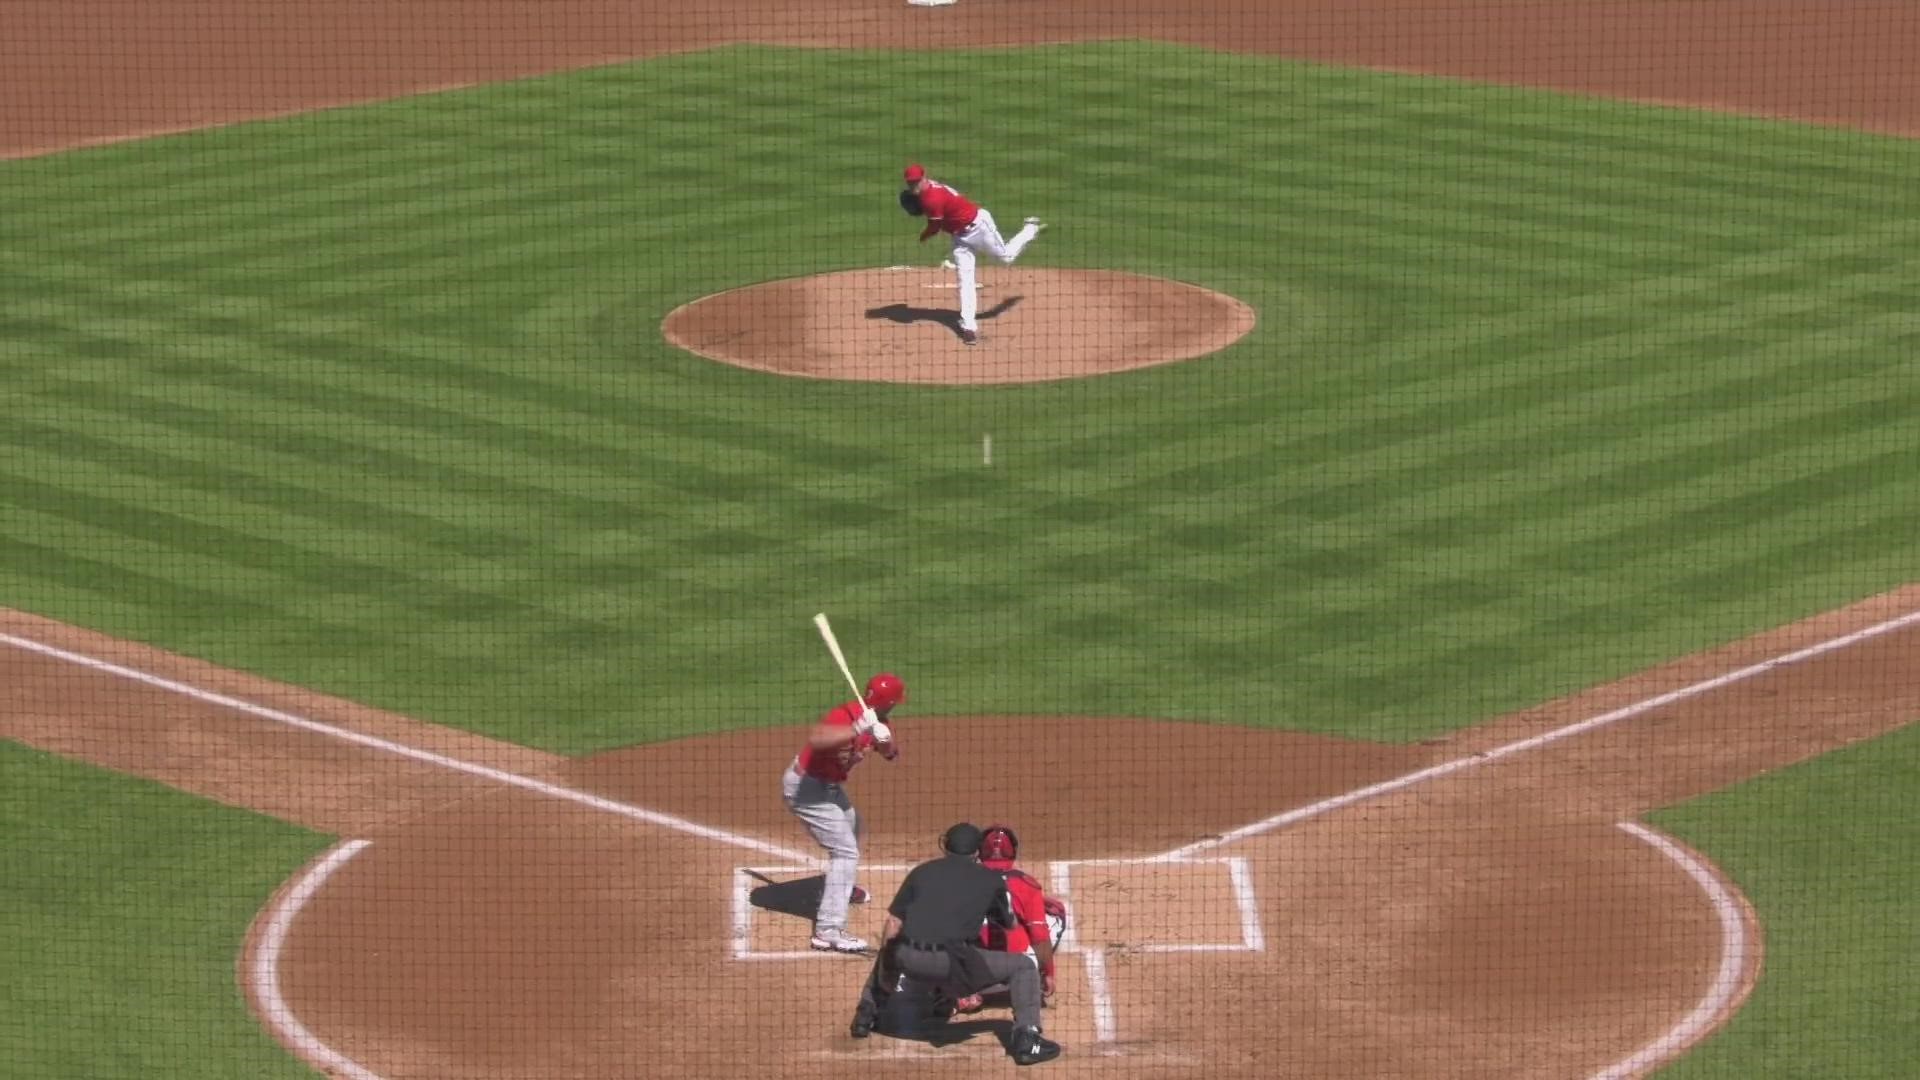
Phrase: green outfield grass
(1544, 390)
(121, 908)
(1831, 871)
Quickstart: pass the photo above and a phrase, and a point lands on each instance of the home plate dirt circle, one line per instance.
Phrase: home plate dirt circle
(516, 934)
(901, 324)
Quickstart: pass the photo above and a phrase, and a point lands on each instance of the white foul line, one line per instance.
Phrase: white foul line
(265, 974)
(1734, 948)
(1431, 772)
(1096, 963)
(742, 914)
(1250, 932)
(1093, 960)
(427, 757)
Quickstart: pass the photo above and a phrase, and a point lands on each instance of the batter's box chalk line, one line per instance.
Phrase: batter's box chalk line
(1239, 873)
(1093, 958)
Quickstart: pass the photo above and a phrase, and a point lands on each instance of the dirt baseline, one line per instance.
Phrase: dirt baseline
(902, 324)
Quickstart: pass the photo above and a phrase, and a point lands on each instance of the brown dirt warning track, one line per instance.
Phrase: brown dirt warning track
(1247, 902)
(77, 72)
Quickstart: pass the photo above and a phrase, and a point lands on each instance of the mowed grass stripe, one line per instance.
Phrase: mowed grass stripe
(1584, 535)
(1693, 300)
(347, 458)
(159, 516)
(706, 532)
(156, 584)
(1559, 411)
(107, 569)
(398, 524)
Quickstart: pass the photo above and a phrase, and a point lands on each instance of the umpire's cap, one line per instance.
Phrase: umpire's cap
(961, 839)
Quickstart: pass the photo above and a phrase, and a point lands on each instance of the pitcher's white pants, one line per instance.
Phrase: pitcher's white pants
(829, 815)
(983, 236)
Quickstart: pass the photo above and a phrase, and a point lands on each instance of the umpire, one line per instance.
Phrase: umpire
(933, 935)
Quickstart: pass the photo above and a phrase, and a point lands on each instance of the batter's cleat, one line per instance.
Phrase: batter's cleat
(1029, 1047)
(972, 1003)
(948, 264)
(1037, 224)
(970, 337)
(859, 896)
(835, 939)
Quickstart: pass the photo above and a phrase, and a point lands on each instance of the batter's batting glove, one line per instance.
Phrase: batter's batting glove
(865, 723)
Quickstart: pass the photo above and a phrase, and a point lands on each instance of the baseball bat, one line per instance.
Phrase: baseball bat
(833, 646)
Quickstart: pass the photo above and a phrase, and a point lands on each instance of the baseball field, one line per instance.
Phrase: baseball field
(1423, 554)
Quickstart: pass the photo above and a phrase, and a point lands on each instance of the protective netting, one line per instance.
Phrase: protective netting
(1403, 510)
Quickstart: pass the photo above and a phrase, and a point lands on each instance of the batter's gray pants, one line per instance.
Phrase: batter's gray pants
(829, 815)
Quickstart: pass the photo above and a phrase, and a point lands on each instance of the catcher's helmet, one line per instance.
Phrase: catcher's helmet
(885, 690)
(998, 842)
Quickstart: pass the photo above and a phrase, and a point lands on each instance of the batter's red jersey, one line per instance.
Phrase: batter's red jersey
(834, 765)
(1029, 911)
(947, 210)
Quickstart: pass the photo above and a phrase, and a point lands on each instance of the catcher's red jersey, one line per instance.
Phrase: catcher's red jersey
(947, 210)
(1029, 909)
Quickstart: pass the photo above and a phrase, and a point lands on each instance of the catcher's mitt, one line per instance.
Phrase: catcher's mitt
(910, 202)
(1056, 919)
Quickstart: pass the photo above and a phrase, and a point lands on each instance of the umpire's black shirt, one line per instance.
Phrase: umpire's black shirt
(943, 902)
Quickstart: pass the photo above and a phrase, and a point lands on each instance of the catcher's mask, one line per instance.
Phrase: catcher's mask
(998, 842)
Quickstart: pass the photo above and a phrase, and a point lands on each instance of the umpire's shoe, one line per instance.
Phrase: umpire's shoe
(1031, 1048)
(862, 1024)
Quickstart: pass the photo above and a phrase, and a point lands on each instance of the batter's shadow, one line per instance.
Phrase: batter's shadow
(907, 314)
(799, 897)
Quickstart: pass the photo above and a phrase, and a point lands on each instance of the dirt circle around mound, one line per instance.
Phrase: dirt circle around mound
(516, 934)
(902, 324)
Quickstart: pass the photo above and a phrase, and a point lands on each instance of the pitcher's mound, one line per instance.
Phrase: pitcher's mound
(903, 325)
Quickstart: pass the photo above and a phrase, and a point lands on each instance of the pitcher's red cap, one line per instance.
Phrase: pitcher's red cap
(915, 172)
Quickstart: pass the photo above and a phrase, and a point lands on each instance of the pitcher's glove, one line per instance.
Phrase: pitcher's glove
(910, 202)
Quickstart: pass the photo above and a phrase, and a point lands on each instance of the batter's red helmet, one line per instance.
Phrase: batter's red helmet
(998, 842)
(885, 690)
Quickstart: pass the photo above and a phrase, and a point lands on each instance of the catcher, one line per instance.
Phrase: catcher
(1041, 919)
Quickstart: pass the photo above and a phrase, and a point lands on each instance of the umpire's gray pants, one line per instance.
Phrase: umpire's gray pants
(945, 970)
